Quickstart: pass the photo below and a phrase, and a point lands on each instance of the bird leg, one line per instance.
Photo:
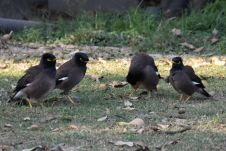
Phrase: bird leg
(41, 104)
(187, 98)
(29, 102)
(149, 95)
(181, 97)
(69, 98)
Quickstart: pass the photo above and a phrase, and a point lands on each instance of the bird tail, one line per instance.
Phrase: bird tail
(204, 92)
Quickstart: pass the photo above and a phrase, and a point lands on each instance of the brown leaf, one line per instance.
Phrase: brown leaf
(199, 49)
(103, 87)
(187, 45)
(214, 40)
(137, 122)
(163, 126)
(96, 78)
(33, 127)
(72, 127)
(118, 84)
(176, 32)
(3, 66)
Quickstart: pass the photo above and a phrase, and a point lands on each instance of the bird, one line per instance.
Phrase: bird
(143, 72)
(71, 73)
(196, 80)
(184, 80)
(37, 81)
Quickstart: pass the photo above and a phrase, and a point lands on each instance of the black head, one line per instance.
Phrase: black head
(177, 62)
(81, 58)
(48, 60)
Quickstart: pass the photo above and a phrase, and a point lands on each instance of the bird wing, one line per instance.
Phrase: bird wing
(28, 78)
(41, 85)
(193, 77)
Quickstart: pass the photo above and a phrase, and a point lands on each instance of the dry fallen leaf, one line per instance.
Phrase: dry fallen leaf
(181, 111)
(214, 40)
(215, 32)
(133, 97)
(122, 143)
(128, 103)
(118, 84)
(103, 87)
(27, 119)
(56, 130)
(102, 118)
(163, 126)
(187, 45)
(128, 108)
(199, 49)
(3, 66)
(176, 32)
(33, 127)
(72, 127)
(96, 78)
(137, 122)
(8, 125)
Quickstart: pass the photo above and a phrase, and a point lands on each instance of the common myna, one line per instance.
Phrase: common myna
(182, 82)
(191, 74)
(143, 72)
(38, 80)
(71, 73)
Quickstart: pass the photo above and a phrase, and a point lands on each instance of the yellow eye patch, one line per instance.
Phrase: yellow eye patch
(50, 60)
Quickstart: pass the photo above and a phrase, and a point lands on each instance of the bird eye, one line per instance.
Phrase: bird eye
(50, 60)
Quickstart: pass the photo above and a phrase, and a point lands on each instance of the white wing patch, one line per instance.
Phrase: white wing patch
(28, 84)
(18, 94)
(157, 73)
(195, 83)
(62, 79)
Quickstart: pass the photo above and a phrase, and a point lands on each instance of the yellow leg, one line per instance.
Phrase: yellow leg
(41, 104)
(187, 98)
(149, 94)
(131, 94)
(181, 97)
(69, 98)
(29, 102)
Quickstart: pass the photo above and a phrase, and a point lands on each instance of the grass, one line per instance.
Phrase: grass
(137, 29)
(207, 117)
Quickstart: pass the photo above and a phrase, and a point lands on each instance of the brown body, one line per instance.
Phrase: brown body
(143, 71)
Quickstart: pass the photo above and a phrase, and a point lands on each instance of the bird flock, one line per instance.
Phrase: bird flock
(41, 79)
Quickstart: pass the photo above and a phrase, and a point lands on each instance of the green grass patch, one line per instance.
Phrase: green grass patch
(206, 116)
(138, 29)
